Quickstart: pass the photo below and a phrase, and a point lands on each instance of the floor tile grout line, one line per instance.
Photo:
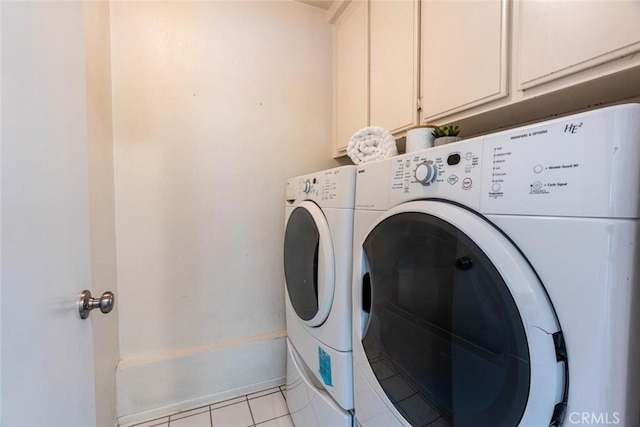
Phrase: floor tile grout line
(151, 421)
(263, 392)
(172, 417)
(230, 404)
(263, 395)
(253, 420)
(271, 419)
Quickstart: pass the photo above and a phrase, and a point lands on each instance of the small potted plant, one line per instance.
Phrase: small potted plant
(446, 134)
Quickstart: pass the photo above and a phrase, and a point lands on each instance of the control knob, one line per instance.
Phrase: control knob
(306, 186)
(426, 172)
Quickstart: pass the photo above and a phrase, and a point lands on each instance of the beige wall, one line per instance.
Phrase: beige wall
(215, 105)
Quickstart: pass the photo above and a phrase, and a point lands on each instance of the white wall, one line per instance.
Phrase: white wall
(215, 105)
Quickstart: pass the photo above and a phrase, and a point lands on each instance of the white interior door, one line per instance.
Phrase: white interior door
(48, 375)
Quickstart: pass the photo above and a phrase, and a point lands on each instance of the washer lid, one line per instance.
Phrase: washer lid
(454, 322)
(309, 264)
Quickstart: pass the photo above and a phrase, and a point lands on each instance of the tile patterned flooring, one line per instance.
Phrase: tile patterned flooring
(266, 408)
(410, 402)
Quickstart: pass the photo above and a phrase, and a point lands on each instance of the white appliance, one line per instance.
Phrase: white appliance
(496, 279)
(317, 263)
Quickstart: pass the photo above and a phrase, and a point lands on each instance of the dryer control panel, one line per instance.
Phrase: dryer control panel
(331, 188)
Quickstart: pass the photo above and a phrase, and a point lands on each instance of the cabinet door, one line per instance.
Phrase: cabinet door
(558, 38)
(393, 59)
(351, 113)
(464, 54)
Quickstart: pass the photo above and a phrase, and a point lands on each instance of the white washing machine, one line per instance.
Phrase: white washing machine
(496, 279)
(317, 264)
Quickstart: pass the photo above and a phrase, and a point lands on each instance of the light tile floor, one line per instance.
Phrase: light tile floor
(266, 408)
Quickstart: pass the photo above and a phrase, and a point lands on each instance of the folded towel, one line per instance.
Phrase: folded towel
(370, 144)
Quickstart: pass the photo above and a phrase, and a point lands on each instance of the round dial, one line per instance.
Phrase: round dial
(306, 186)
(426, 173)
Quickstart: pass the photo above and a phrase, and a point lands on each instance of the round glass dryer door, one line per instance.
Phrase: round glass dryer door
(309, 263)
(459, 328)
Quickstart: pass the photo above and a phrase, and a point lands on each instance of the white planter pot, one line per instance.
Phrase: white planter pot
(446, 140)
(420, 138)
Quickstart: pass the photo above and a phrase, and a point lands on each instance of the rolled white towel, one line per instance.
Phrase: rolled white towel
(370, 144)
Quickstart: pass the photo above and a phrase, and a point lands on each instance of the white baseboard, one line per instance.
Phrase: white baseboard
(186, 380)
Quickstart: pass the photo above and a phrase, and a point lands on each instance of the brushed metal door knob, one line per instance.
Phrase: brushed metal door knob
(85, 303)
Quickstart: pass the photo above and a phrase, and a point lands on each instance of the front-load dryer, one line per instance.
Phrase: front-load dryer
(317, 264)
(496, 279)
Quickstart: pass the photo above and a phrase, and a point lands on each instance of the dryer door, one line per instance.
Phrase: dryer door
(309, 265)
(455, 327)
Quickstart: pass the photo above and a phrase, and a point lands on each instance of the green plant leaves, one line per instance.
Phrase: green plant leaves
(446, 131)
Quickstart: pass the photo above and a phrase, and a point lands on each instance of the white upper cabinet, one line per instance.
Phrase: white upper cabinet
(393, 63)
(464, 55)
(554, 39)
(480, 64)
(350, 74)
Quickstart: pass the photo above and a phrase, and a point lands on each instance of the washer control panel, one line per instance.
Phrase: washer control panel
(585, 165)
(545, 168)
(449, 171)
(426, 172)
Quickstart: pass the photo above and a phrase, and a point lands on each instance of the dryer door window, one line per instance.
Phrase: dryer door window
(309, 264)
(444, 336)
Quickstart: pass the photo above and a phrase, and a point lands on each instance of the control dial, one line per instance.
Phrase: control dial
(426, 172)
(306, 186)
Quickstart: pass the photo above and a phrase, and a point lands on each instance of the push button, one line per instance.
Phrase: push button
(453, 159)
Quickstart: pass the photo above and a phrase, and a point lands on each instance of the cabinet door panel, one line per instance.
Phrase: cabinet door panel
(351, 112)
(557, 38)
(393, 63)
(464, 54)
